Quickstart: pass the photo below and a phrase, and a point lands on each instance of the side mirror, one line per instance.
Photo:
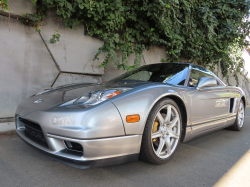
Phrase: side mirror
(206, 82)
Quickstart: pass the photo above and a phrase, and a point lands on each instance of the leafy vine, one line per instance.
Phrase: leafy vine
(4, 5)
(204, 32)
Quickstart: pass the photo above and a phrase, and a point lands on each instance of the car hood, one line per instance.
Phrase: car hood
(64, 94)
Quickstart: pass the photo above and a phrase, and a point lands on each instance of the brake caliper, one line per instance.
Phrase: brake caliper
(155, 128)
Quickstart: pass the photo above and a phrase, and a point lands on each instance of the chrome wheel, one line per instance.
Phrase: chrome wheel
(241, 115)
(165, 132)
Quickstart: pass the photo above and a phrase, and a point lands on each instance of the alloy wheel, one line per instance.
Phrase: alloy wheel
(241, 115)
(165, 131)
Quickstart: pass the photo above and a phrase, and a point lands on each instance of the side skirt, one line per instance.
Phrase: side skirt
(199, 130)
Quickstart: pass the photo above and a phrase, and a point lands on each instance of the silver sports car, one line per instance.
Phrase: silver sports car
(143, 113)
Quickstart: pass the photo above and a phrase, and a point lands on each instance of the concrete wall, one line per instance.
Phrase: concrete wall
(20, 7)
(75, 51)
(29, 62)
(26, 65)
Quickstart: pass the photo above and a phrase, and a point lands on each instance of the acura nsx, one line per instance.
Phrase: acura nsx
(144, 113)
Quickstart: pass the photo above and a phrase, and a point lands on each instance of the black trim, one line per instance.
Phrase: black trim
(231, 105)
(30, 124)
(95, 163)
(88, 164)
(35, 139)
(33, 128)
(73, 146)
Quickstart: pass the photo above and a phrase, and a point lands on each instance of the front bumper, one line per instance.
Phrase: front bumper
(95, 152)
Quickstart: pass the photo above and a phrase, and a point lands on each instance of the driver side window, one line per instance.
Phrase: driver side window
(195, 76)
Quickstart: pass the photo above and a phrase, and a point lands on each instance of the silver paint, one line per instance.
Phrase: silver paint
(103, 131)
(38, 101)
(206, 82)
(93, 149)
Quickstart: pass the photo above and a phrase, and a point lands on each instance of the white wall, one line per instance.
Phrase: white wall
(20, 7)
(25, 65)
(29, 62)
(75, 50)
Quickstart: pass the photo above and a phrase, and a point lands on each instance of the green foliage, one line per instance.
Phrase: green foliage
(203, 32)
(233, 62)
(34, 1)
(55, 37)
(4, 5)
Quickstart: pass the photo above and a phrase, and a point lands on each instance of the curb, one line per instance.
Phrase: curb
(7, 127)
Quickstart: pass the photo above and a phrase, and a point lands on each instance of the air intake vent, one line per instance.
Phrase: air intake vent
(73, 146)
(33, 128)
(231, 105)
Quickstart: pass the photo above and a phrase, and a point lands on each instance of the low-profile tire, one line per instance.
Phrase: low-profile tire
(162, 132)
(240, 118)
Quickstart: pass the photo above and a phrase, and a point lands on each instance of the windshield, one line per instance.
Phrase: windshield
(171, 73)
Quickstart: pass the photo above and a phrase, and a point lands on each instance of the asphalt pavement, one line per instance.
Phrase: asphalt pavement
(197, 163)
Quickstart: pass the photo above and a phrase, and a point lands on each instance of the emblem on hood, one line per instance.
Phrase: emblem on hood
(38, 101)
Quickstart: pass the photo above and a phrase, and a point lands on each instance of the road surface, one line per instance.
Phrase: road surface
(200, 162)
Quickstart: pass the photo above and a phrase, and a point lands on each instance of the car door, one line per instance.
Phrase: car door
(209, 106)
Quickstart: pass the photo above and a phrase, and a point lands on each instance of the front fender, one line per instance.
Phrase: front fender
(141, 102)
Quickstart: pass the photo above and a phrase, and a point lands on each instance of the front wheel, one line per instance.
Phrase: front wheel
(162, 132)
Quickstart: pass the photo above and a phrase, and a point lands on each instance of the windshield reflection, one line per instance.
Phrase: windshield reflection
(171, 73)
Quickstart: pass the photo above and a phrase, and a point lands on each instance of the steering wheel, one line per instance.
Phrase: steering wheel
(190, 82)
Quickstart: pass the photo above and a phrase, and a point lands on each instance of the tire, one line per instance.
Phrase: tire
(240, 118)
(162, 132)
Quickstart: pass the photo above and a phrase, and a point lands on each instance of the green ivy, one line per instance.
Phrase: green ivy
(205, 32)
(55, 37)
(4, 5)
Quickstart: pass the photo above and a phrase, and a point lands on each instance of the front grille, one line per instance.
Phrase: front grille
(33, 129)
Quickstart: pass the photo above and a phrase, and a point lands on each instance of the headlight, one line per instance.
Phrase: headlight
(96, 97)
(44, 90)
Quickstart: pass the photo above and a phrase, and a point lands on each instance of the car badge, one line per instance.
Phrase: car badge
(38, 101)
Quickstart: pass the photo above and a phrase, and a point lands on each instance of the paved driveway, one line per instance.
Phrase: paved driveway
(200, 162)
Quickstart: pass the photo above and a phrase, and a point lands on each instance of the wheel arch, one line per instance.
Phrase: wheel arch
(243, 98)
(183, 111)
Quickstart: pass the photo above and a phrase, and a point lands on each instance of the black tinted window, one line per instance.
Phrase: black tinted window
(197, 72)
(195, 76)
(171, 73)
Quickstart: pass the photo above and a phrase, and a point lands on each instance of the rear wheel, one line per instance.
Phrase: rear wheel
(240, 118)
(162, 132)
